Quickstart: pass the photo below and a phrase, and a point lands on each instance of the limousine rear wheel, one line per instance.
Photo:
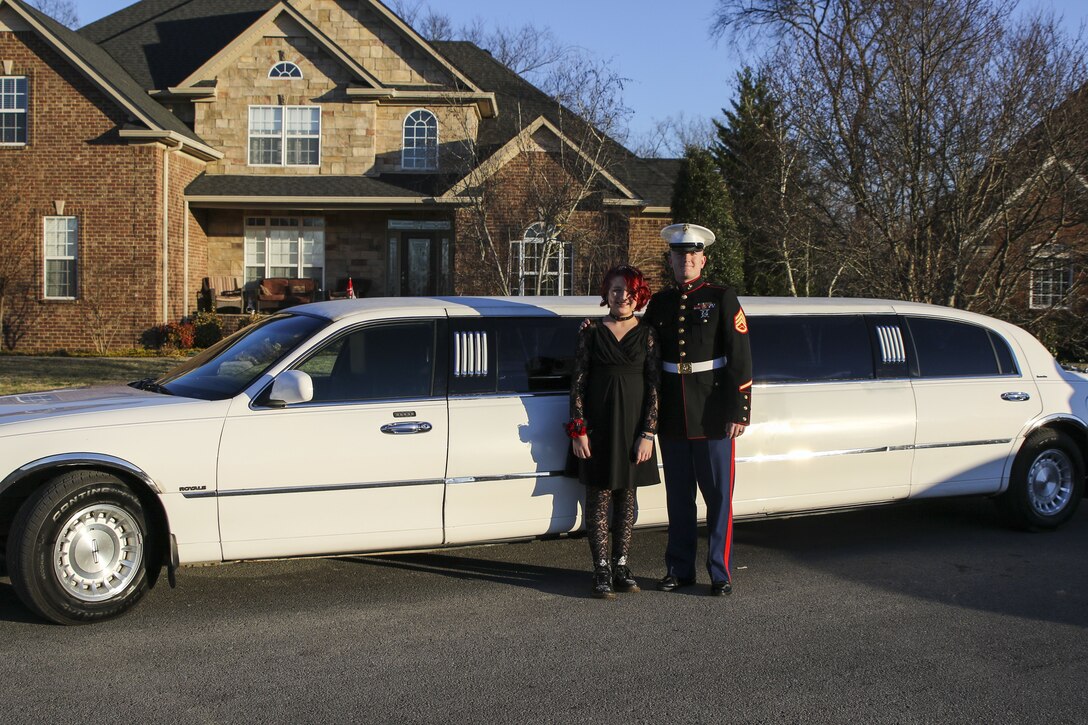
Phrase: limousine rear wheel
(1046, 483)
(76, 552)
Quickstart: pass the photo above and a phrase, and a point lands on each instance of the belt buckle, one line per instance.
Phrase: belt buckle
(683, 368)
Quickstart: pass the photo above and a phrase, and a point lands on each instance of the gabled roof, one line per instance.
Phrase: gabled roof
(522, 104)
(104, 71)
(207, 70)
(163, 42)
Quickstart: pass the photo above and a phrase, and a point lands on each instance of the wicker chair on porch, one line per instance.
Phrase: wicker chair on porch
(221, 291)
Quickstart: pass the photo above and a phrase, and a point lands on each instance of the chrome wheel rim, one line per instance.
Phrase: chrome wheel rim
(98, 552)
(1050, 482)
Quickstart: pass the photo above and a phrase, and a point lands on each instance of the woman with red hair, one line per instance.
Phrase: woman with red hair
(613, 410)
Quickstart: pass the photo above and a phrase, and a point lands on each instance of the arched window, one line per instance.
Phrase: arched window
(541, 263)
(285, 69)
(420, 149)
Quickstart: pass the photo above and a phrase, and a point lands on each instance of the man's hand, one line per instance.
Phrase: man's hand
(735, 430)
(581, 446)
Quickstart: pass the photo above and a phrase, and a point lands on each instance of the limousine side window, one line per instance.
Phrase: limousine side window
(377, 362)
(948, 348)
(810, 348)
(512, 355)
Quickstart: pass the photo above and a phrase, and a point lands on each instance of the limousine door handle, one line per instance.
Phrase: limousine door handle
(397, 429)
(1016, 397)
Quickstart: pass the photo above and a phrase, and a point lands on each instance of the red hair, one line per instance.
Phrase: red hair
(633, 280)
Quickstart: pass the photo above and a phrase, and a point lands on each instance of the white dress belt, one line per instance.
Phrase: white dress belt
(697, 367)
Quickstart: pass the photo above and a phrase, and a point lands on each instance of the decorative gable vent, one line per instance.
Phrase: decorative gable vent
(285, 69)
(470, 355)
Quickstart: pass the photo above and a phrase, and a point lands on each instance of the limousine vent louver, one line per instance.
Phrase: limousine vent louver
(891, 344)
(470, 355)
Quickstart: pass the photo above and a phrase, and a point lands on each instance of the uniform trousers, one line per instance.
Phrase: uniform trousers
(707, 463)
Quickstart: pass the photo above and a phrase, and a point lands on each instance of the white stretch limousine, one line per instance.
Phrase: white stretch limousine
(384, 424)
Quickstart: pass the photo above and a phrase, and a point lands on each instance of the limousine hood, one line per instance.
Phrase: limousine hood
(80, 407)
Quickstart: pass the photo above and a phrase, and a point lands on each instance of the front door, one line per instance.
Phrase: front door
(420, 258)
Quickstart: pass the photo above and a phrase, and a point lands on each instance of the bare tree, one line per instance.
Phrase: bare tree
(18, 304)
(936, 165)
(668, 137)
(63, 11)
(547, 187)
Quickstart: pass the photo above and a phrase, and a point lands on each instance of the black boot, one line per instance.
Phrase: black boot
(602, 583)
(622, 581)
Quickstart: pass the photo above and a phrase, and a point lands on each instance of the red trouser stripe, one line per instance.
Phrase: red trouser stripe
(729, 503)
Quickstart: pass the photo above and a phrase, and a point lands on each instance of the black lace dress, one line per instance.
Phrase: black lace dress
(615, 390)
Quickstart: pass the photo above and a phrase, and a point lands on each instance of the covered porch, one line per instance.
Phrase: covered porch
(275, 251)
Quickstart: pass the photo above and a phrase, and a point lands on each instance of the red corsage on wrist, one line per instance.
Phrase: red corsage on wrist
(576, 428)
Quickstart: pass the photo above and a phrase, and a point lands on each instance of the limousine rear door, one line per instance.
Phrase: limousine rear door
(832, 415)
(509, 394)
(359, 467)
(973, 400)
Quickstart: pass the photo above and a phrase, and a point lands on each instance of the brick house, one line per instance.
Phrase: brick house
(313, 140)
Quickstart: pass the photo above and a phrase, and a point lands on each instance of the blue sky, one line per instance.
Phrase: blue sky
(662, 48)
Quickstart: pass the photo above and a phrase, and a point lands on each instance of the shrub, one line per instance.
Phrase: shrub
(209, 328)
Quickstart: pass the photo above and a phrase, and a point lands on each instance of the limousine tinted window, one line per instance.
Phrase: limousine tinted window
(512, 355)
(810, 348)
(377, 362)
(945, 348)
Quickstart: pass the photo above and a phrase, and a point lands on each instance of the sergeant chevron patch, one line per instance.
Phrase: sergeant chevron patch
(740, 322)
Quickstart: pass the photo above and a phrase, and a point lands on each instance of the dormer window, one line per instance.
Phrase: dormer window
(420, 150)
(285, 69)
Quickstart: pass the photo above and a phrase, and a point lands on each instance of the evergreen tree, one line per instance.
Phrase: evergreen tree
(700, 197)
(748, 156)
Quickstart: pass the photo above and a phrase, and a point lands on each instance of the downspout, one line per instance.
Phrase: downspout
(165, 312)
(185, 262)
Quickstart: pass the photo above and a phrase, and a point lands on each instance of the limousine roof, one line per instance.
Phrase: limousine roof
(590, 305)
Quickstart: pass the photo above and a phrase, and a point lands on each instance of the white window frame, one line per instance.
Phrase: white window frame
(286, 71)
(536, 238)
(258, 246)
(410, 158)
(1051, 282)
(284, 134)
(9, 100)
(71, 242)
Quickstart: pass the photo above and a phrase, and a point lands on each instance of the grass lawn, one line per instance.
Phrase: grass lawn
(19, 374)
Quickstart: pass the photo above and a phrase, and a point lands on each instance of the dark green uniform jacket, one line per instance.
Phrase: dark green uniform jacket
(696, 323)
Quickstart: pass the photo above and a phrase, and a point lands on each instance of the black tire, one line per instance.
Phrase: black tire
(1046, 483)
(79, 574)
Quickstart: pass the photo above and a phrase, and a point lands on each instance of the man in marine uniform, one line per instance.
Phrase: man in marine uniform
(706, 402)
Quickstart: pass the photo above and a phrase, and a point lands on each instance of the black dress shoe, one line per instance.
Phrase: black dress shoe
(670, 582)
(720, 589)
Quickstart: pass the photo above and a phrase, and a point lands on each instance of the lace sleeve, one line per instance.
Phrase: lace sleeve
(652, 382)
(580, 379)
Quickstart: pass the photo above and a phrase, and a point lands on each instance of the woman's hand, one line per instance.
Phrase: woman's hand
(643, 449)
(581, 446)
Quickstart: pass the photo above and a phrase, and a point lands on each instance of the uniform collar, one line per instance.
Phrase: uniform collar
(694, 284)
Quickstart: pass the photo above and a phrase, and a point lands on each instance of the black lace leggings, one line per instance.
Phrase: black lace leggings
(623, 522)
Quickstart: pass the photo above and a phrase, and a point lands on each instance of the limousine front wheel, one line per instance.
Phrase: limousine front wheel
(1046, 483)
(76, 552)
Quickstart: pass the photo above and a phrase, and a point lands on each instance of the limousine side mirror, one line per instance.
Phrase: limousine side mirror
(291, 386)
